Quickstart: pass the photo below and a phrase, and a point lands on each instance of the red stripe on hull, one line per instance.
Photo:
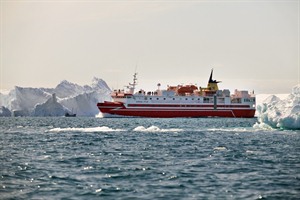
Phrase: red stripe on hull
(187, 105)
(119, 109)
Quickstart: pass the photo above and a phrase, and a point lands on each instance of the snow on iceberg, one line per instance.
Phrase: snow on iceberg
(280, 113)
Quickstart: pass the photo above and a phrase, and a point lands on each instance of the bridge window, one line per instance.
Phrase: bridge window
(206, 100)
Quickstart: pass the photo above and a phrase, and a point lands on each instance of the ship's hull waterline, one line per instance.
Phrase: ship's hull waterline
(118, 109)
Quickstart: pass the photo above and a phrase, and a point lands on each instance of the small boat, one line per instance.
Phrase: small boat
(180, 101)
(70, 115)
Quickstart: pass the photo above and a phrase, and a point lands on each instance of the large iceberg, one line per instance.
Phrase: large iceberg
(69, 97)
(281, 113)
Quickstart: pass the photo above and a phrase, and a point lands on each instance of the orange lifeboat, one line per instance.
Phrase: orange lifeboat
(187, 89)
(172, 88)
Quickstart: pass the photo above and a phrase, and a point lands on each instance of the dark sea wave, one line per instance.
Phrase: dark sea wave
(138, 158)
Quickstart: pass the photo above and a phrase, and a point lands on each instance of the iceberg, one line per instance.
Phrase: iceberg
(85, 104)
(280, 113)
(50, 108)
(4, 112)
(82, 100)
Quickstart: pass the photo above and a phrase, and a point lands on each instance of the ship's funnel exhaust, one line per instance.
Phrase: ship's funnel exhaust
(210, 78)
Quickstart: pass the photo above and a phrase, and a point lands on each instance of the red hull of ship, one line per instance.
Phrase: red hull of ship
(117, 108)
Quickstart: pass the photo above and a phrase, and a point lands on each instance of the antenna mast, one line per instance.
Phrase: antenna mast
(132, 88)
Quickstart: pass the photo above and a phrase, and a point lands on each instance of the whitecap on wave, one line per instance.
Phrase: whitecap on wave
(155, 129)
(85, 130)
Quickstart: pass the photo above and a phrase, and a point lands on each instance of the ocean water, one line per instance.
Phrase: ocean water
(140, 158)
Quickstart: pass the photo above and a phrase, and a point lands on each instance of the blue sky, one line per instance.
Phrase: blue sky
(251, 45)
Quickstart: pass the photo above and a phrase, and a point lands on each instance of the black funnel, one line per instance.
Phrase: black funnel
(210, 78)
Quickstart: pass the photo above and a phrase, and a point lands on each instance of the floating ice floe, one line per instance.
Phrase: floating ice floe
(220, 148)
(155, 129)
(280, 113)
(85, 130)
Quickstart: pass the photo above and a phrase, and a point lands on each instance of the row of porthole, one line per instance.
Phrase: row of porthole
(173, 99)
(207, 100)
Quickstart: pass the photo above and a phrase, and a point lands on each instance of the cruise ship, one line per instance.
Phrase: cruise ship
(179, 101)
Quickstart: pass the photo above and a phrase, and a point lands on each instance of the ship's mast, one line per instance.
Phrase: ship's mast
(132, 85)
